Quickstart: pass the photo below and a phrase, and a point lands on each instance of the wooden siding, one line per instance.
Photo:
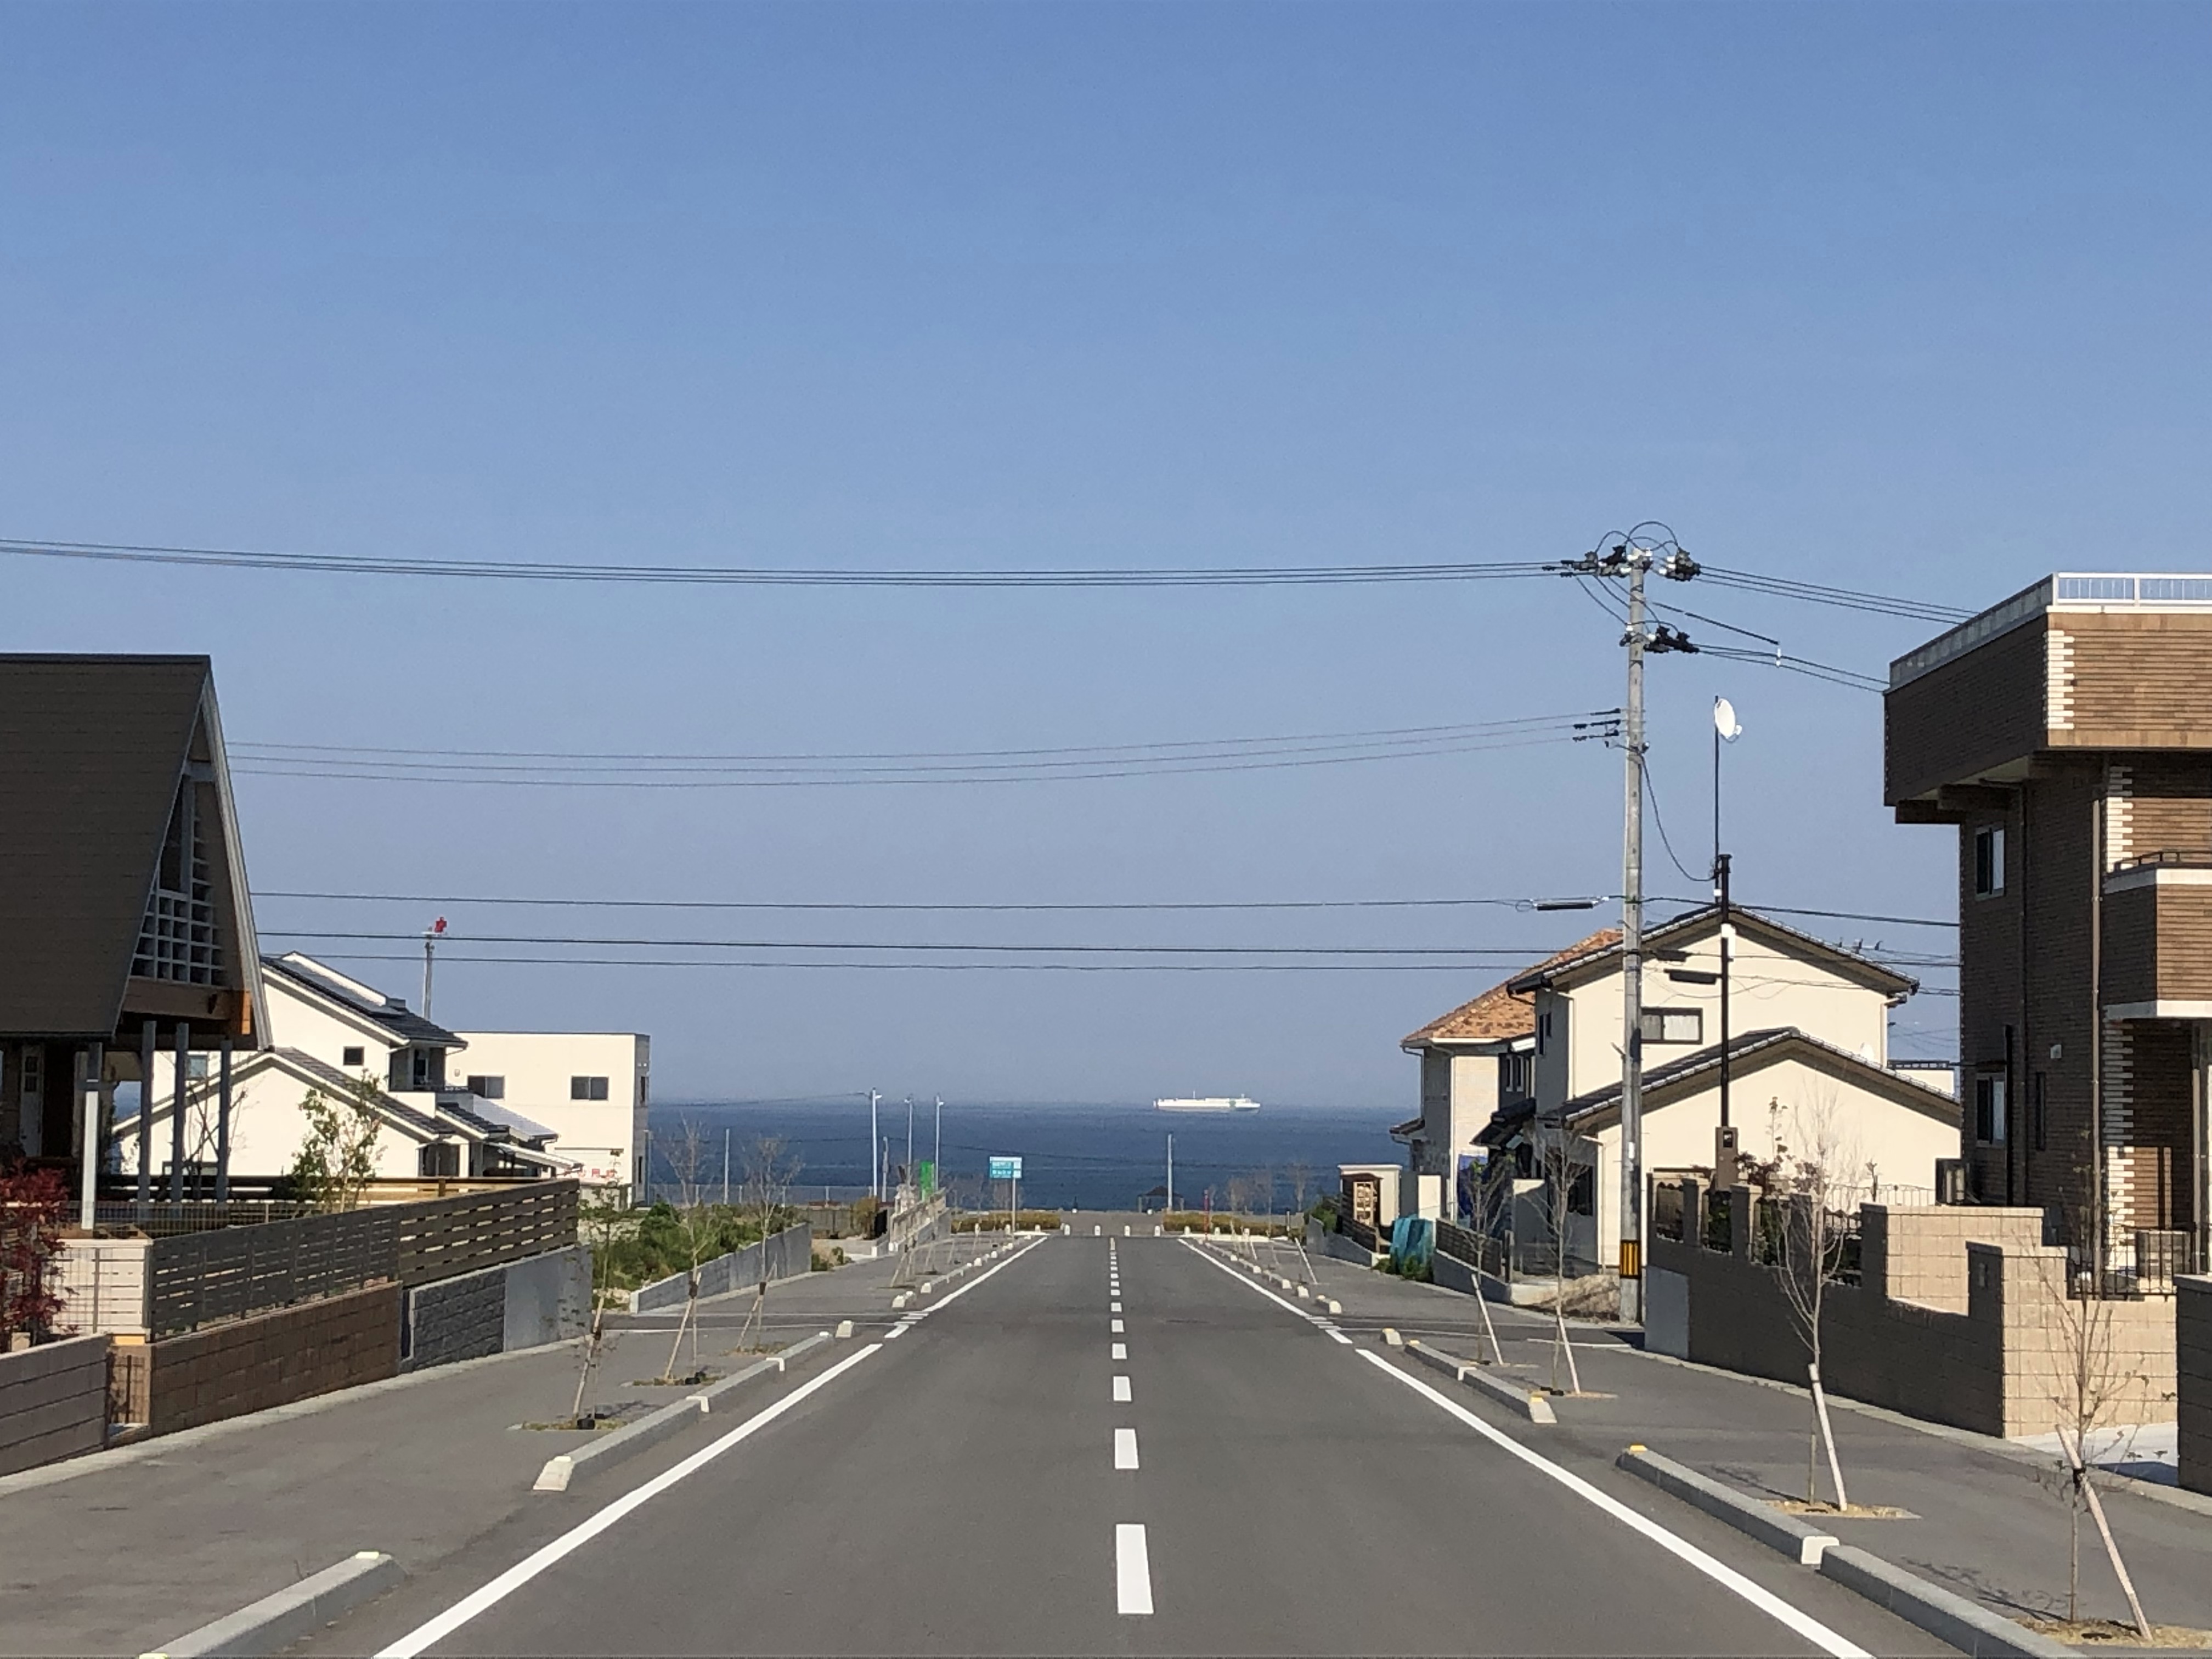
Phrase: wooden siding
(448, 1236)
(1974, 712)
(2171, 804)
(2139, 681)
(2157, 1155)
(2158, 944)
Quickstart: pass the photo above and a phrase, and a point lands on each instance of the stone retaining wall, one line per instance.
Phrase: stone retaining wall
(53, 1402)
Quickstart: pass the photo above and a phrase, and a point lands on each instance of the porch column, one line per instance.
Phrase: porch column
(177, 1114)
(145, 1113)
(90, 1066)
(223, 1124)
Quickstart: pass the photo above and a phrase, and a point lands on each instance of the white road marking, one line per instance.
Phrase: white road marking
(1121, 1390)
(1121, 1351)
(1117, 1324)
(1116, 1308)
(479, 1601)
(1125, 1448)
(1133, 1571)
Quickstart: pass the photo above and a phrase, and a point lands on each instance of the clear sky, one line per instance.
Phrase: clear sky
(1911, 298)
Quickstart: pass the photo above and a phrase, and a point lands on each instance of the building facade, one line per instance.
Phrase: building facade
(2065, 737)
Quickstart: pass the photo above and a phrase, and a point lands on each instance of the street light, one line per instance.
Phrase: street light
(1726, 729)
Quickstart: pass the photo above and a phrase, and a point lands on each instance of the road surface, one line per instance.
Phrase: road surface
(1118, 1446)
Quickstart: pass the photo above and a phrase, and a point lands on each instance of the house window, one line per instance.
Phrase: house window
(588, 1088)
(2041, 1120)
(1989, 861)
(1515, 1081)
(1989, 1110)
(490, 1088)
(1674, 1025)
(353, 1057)
(1582, 1191)
(419, 1066)
(1543, 1032)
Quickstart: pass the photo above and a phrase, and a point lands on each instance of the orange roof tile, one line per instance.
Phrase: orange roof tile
(1497, 1015)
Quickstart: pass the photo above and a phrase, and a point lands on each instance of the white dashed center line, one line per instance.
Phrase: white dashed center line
(1125, 1448)
(1121, 1391)
(1121, 1351)
(1133, 1571)
(1114, 1308)
(1117, 1324)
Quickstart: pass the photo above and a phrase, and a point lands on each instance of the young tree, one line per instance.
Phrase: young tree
(1803, 1242)
(601, 1215)
(771, 1168)
(688, 1160)
(1562, 1170)
(336, 1158)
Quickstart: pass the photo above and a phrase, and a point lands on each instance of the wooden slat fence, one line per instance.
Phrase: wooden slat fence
(448, 1236)
(205, 1278)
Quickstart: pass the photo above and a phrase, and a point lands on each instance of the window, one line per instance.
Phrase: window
(1674, 1025)
(1515, 1079)
(1582, 1191)
(491, 1087)
(1543, 1032)
(418, 1067)
(588, 1088)
(353, 1057)
(1989, 861)
(2041, 1119)
(1989, 1110)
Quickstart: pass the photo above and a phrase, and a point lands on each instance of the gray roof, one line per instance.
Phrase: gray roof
(91, 751)
(392, 1014)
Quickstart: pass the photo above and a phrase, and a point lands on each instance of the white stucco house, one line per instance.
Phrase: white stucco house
(590, 1088)
(1810, 1036)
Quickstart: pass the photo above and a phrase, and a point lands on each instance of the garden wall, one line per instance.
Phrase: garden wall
(522, 1305)
(780, 1256)
(1983, 1342)
(53, 1402)
(2193, 1357)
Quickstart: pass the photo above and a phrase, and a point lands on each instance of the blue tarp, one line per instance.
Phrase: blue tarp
(1412, 1240)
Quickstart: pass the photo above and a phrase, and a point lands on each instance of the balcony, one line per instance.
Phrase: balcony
(2157, 955)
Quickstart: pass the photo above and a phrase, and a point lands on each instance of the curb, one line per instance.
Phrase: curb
(1526, 1400)
(275, 1622)
(562, 1469)
(1966, 1625)
(777, 1362)
(1805, 1545)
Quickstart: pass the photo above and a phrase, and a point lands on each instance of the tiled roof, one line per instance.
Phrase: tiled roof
(1498, 1014)
(393, 1015)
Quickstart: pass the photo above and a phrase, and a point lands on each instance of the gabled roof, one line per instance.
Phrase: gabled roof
(1748, 1054)
(1502, 1013)
(93, 750)
(326, 985)
(1565, 972)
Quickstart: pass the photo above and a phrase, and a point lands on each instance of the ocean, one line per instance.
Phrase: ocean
(1073, 1156)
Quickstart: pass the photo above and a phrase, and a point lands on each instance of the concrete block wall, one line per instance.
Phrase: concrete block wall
(2193, 1357)
(273, 1359)
(549, 1298)
(784, 1254)
(1999, 1362)
(462, 1318)
(53, 1402)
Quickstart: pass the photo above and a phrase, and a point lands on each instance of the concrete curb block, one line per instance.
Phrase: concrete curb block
(1805, 1545)
(275, 1622)
(561, 1470)
(1519, 1395)
(1966, 1625)
(776, 1362)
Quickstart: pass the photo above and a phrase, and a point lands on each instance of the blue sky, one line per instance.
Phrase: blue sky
(1904, 298)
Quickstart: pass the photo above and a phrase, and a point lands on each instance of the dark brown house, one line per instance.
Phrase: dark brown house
(2067, 734)
(126, 932)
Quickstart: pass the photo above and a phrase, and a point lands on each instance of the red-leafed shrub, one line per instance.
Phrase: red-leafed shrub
(34, 1207)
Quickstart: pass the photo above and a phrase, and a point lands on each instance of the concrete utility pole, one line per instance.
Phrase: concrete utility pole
(875, 1178)
(1725, 730)
(1631, 558)
(1169, 1210)
(937, 1153)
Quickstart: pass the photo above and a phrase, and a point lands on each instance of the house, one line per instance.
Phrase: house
(1476, 1061)
(593, 1088)
(333, 1035)
(131, 951)
(2064, 737)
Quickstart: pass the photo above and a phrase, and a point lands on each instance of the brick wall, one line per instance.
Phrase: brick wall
(53, 1402)
(2192, 1345)
(1960, 1317)
(272, 1359)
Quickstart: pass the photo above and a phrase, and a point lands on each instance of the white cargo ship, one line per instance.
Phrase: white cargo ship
(1207, 1103)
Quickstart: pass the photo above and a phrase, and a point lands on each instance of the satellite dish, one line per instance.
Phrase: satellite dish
(1724, 720)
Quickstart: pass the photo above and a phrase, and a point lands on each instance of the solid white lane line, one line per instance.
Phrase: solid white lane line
(1121, 1351)
(1121, 1390)
(1133, 1571)
(1125, 1448)
(1719, 1571)
(1117, 1324)
(478, 1600)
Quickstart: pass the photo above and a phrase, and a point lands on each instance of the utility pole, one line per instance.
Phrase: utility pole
(909, 1137)
(937, 1153)
(875, 1179)
(1631, 558)
(430, 937)
(1725, 1140)
(1170, 1205)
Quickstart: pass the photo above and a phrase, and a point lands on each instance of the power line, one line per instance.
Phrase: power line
(935, 967)
(1580, 901)
(1842, 598)
(1518, 953)
(776, 576)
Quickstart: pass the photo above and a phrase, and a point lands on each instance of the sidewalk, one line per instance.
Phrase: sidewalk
(118, 1552)
(1990, 1519)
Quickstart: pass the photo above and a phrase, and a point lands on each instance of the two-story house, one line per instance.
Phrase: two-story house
(2065, 736)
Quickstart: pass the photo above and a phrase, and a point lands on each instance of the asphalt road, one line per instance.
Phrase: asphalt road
(976, 1483)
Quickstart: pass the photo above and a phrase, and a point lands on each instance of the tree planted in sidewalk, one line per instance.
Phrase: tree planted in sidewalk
(602, 1212)
(687, 1156)
(771, 1168)
(1803, 1233)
